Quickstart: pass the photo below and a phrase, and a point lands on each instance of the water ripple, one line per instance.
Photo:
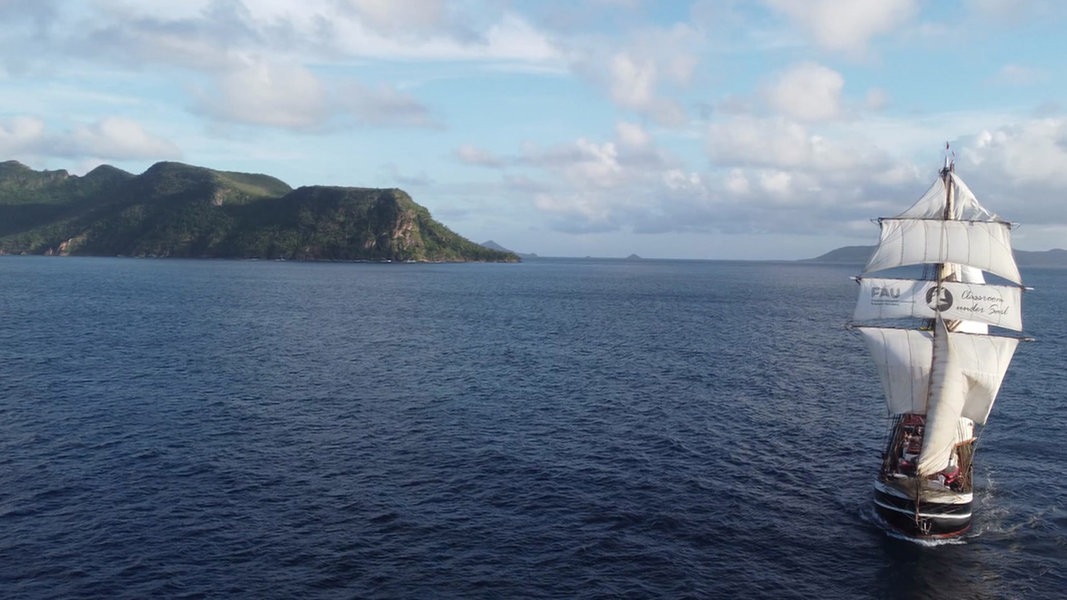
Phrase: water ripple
(587, 429)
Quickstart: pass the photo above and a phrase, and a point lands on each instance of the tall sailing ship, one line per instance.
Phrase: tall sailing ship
(935, 343)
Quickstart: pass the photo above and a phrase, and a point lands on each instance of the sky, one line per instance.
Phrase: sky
(707, 129)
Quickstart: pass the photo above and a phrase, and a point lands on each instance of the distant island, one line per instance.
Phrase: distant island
(495, 246)
(179, 210)
(859, 255)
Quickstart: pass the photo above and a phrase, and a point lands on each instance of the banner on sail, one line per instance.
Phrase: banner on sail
(997, 305)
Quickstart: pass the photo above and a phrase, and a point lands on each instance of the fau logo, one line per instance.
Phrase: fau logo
(885, 292)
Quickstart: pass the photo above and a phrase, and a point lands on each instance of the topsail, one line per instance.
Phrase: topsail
(961, 233)
(985, 245)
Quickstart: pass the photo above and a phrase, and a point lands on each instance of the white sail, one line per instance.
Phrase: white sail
(998, 305)
(904, 357)
(984, 361)
(945, 404)
(965, 206)
(982, 244)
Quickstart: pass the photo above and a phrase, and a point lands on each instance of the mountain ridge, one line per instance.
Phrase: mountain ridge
(179, 210)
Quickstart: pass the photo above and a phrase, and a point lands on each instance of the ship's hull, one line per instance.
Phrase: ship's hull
(940, 514)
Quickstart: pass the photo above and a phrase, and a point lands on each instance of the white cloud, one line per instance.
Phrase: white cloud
(807, 91)
(779, 143)
(847, 26)
(118, 138)
(377, 34)
(472, 155)
(274, 63)
(1013, 13)
(773, 186)
(262, 93)
(290, 96)
(748, 141)
(1018, 75)
(577, 211)
(597, 164)
(202, 38)
(390, 16)
(674, 49)
(20, 134)
(679, 180)
(380, 105)
(876, 99)
(642, 71)
(633, 81)
(776, 182)
(1029, 152)
(108, 138)
(1019, 171)
(632, 135)
(737, 183)
(206, 34)
(514, 39)
(598, 186)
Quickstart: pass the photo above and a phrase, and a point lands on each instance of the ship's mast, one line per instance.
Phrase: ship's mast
(945, 271)
(946, 172)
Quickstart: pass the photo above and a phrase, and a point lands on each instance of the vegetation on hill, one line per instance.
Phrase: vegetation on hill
(178, 210)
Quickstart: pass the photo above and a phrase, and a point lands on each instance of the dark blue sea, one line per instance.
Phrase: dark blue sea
(552, 429)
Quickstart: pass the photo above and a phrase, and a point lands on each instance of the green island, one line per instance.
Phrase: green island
(179, 210)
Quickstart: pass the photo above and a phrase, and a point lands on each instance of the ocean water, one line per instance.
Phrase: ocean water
(551, 429)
